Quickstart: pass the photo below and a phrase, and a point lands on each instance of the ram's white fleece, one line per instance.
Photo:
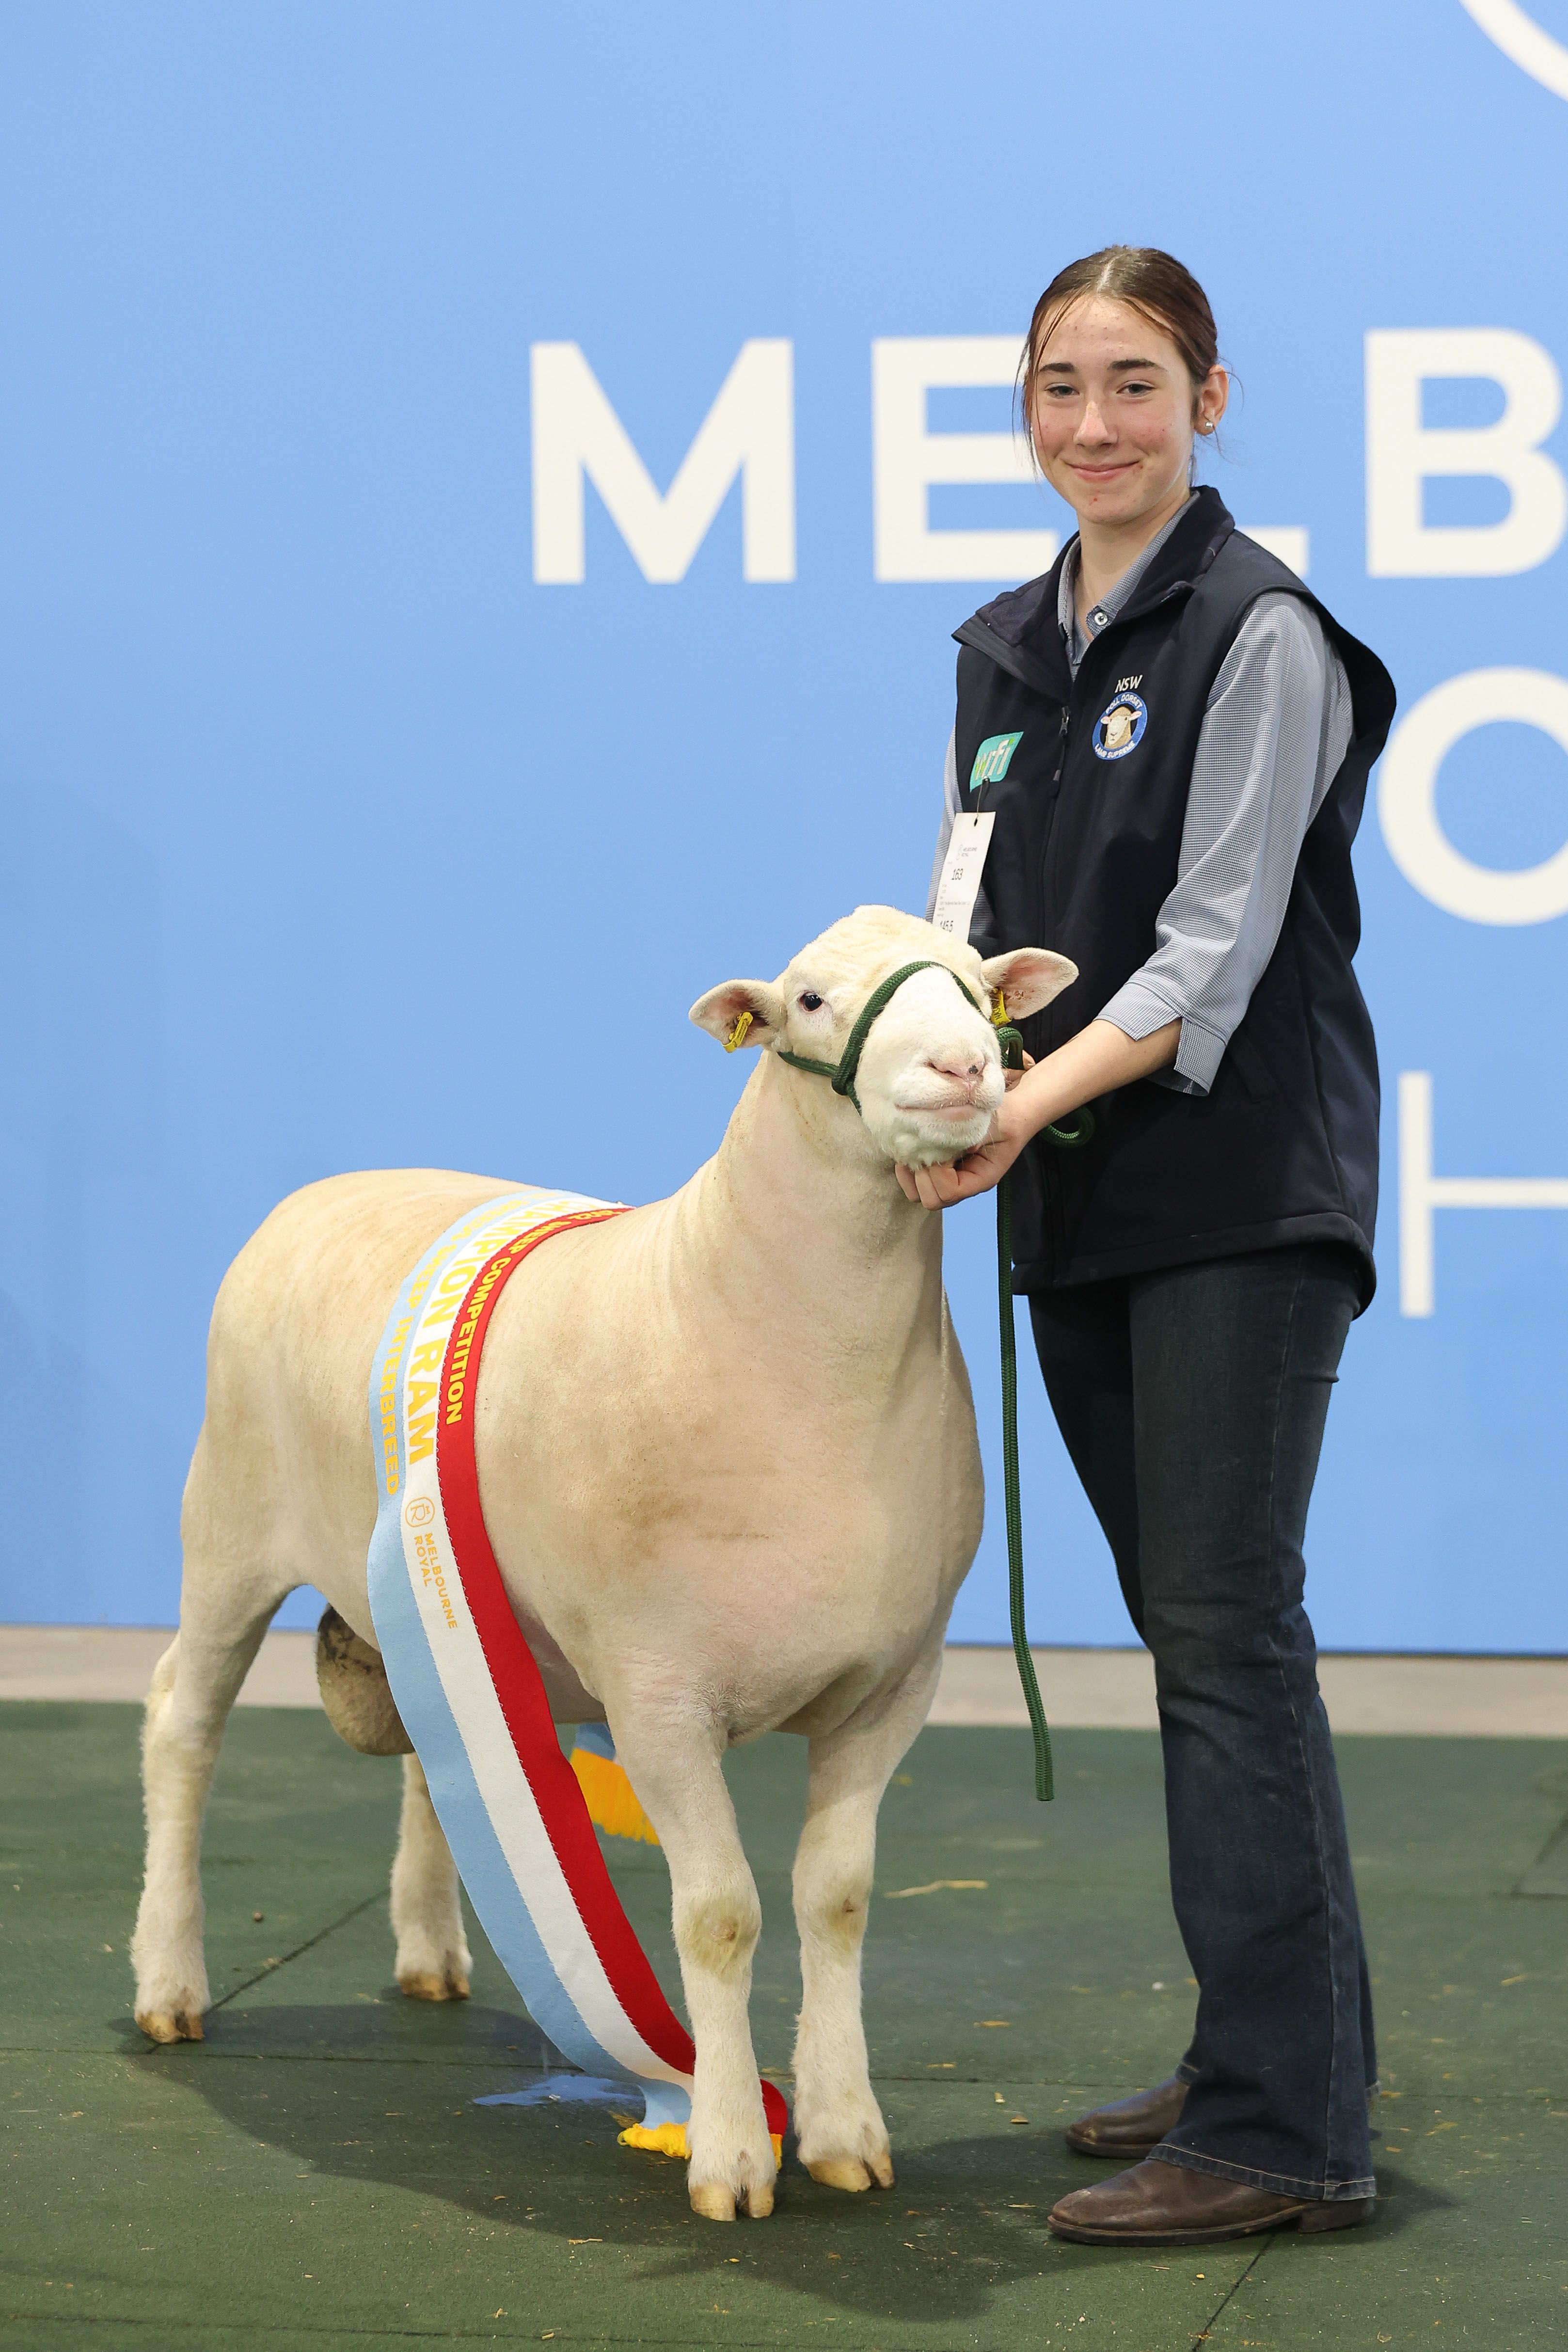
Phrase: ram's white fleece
(727, 1460)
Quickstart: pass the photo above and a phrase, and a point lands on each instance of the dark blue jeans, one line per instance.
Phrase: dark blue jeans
(1191, 1403)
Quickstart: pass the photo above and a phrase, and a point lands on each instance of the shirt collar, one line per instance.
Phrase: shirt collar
(1077, 639)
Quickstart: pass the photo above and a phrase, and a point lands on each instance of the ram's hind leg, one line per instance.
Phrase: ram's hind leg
(195, 1685)
(433, 1960)
(842, 2139)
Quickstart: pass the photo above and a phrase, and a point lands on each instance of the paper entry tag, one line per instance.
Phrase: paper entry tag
(962, 867)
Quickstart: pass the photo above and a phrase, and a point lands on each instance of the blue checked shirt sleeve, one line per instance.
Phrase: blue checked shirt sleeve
(1277, 728)
(945, 831)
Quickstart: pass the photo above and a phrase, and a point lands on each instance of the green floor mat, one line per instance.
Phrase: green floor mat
(316, 2173)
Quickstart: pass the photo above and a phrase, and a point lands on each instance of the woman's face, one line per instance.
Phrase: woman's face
(1110, 409)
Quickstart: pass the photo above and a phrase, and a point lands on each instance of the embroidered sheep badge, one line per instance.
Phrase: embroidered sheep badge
(1120, 726)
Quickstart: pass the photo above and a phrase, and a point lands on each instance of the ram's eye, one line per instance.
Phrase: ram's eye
(810, 1001)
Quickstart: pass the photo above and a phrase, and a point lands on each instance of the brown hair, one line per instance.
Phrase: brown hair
(1146, 279)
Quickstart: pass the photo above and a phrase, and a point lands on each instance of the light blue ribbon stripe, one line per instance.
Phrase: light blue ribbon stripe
(427, 1717)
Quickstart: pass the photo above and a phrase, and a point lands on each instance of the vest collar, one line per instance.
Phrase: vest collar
(1020, 632)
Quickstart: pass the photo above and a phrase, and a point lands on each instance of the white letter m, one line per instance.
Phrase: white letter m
(749, 431)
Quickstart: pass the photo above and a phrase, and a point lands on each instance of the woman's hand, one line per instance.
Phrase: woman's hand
(949, 1182)
(1097, 1061)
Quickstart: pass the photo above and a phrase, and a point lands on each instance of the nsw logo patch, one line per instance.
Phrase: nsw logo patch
(1120, 726)
(992, 758)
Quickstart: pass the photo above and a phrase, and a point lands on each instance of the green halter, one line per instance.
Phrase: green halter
(841, 1073)
(842, 1076)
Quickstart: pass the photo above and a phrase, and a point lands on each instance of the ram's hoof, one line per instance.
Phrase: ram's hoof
(170, 2024)
(423, 1984)
(848, 2172)
(718, 2204)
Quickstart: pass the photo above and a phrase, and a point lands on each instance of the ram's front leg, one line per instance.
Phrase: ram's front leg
(842, 2139)
(678, 1778)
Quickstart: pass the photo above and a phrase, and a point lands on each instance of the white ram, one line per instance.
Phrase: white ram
(728, 1461)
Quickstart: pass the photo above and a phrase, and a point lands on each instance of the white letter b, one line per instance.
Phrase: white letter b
(1402, 452)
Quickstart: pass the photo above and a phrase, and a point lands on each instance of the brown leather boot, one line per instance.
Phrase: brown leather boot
(1159, 2204)
(1129, 2127)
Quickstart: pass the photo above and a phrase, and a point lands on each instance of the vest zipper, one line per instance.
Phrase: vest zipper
(1050, 1170)
(1050, 1177)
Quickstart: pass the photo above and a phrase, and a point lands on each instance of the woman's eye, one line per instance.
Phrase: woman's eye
(810, 1001)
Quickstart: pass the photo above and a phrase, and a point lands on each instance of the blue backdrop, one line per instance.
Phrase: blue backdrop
(293, 578)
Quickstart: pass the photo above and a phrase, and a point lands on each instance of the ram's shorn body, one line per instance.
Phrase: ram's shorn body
(727, 1459)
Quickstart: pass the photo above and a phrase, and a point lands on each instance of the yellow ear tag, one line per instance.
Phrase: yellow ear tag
(999, 1017)
(737, 1034)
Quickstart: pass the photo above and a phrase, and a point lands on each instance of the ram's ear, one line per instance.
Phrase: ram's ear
(740, 1012)
(1029, 978)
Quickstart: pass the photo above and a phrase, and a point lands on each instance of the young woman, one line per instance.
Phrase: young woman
(1174, 737)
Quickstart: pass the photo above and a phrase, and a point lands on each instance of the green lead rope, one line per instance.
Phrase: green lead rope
(842, 1075)
(1011, 1044)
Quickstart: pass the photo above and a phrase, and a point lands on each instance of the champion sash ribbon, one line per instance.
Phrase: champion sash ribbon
(469, 1689)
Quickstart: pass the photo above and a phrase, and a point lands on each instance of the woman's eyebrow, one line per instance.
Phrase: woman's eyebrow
(1117, 367)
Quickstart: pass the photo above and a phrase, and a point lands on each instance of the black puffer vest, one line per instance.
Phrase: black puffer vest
(1089, 810)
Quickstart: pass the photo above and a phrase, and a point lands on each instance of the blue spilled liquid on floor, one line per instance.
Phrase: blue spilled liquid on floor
(573, 2090)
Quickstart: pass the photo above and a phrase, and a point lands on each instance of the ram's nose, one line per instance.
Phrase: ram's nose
(966, 1070)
